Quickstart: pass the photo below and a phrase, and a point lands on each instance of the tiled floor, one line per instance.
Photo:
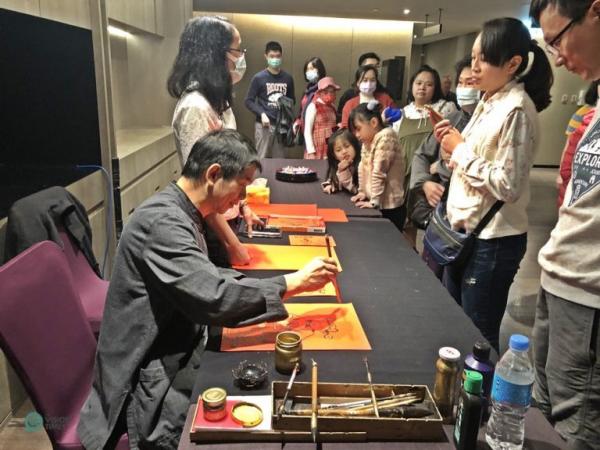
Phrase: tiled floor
(14, 437)
(518, 318)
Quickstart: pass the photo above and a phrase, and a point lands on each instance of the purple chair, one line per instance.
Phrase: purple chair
(47, 339)
(91, 289)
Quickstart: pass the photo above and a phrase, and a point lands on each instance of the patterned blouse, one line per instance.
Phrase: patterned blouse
(494, 164)
(193, 118)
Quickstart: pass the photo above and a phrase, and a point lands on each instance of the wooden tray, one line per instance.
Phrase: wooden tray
(383, 428)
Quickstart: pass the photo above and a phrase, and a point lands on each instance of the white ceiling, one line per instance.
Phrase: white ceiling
(458, 16)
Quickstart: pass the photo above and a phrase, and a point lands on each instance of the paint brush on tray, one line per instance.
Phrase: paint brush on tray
(314, 405)
(373, 398)
(338, 294)
(287, 390)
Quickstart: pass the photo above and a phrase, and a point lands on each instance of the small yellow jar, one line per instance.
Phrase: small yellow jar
(214, 402)
(288, 351)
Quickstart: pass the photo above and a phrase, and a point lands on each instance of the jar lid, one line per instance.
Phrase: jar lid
(449, 354)
(247, 414)
(214, 396)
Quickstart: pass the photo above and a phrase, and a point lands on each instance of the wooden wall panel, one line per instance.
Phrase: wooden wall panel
(73, 12)
(25, 6)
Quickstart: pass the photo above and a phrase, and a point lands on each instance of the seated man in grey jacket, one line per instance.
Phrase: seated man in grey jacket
(429, 174)
(163, 294)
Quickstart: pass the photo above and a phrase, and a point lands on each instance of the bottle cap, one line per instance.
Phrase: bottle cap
(449, 354)
(481, 351)
(473, 382)
(519, 342)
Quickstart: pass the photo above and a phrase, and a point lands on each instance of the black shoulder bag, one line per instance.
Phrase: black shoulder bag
(448, 246)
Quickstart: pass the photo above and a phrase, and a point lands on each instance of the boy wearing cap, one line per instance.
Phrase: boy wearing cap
(320, 119)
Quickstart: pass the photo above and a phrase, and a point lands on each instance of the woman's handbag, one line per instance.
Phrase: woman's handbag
(448, 246)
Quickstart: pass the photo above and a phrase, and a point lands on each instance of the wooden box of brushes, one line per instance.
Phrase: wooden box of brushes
(406, 412)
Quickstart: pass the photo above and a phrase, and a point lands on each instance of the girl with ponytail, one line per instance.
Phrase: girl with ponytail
(381, 168)
(492, 159)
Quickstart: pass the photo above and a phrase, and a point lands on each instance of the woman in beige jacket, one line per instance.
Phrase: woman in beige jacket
(492, 159)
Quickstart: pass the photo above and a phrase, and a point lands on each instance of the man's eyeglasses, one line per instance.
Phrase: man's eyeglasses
(552, 46)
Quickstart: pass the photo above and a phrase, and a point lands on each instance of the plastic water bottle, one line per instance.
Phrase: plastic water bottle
(511, 395)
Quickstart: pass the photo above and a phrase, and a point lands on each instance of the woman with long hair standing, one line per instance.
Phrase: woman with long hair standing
(492, 159)
(314, 70)
(210, 60)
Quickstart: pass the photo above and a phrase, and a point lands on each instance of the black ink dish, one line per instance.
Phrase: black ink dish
(249, 375)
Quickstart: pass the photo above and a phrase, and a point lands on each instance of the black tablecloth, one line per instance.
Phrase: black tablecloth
(407, 315)
(405, 312)
(282, 192)
(539, 435)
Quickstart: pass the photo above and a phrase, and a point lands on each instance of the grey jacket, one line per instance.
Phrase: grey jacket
(429, 152)
(163, 293)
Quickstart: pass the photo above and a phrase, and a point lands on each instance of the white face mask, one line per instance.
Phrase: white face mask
(240, 68)
(466, 96)
(312, 75)
(367, 87)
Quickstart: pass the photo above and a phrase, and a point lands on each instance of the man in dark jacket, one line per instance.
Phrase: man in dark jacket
(163, 294)
(262, 99)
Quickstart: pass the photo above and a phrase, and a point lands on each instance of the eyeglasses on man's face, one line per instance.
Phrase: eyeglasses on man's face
(552, 47)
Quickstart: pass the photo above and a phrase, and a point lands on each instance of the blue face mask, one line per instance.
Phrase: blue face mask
(466, 96)
(275, 63)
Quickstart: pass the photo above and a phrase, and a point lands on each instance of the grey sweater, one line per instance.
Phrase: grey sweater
(570, 259)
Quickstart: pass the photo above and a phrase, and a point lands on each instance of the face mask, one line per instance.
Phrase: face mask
(274, 62)
(240, 68)
(466, 96)
(367, 87)
(312, 75)
(328, 97)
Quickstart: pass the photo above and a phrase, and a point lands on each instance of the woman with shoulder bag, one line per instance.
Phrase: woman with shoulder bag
(491, 162)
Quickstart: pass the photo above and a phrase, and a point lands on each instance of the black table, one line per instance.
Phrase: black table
(282, 192)
(539, 435)
(405, 312)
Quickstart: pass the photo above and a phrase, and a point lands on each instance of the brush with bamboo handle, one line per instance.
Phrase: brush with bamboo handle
(338, 294)
(373, 398)
(367, 401)
(362, 411)
(314, 408)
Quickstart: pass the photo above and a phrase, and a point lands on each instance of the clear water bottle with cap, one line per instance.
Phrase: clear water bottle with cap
(511, 396)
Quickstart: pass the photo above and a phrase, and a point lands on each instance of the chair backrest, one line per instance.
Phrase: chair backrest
(80, 266)
(44, 332)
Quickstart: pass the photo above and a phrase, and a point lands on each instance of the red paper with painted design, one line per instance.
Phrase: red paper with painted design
(322, 327)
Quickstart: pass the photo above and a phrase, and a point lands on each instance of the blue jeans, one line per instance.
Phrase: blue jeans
(481, 284)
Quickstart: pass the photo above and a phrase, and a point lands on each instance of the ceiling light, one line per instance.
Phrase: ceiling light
(414, 36)
(375, 10)
(406, 11)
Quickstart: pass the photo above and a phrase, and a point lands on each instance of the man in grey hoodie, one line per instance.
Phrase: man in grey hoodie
(566, 333)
